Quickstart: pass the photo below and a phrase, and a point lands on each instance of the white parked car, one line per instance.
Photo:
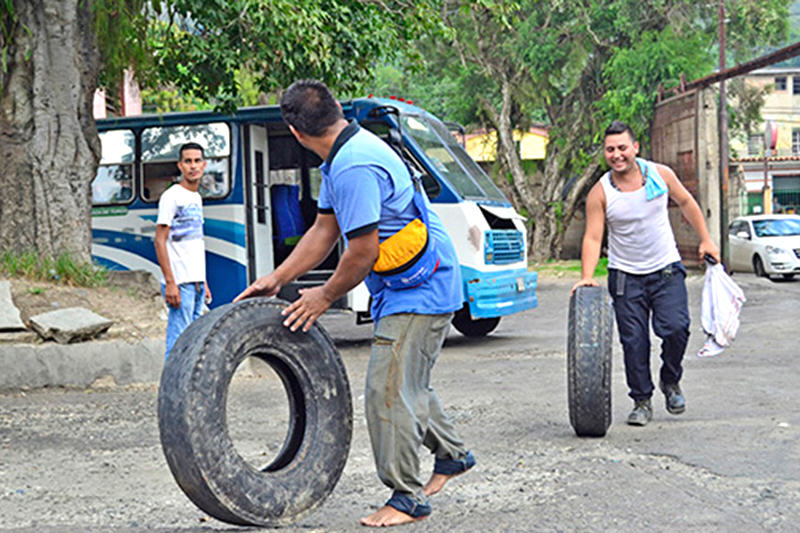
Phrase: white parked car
(768, 245)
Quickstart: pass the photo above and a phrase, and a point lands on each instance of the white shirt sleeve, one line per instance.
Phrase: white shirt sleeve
(166, 209)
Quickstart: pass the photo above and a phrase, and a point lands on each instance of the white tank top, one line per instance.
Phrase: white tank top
(640, 239)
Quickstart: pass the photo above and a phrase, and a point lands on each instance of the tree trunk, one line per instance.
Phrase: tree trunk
(49, 149)
(562, 191)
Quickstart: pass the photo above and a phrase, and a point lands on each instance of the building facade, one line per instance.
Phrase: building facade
(778, 170)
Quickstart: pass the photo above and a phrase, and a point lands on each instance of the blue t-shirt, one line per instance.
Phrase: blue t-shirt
(367, 186)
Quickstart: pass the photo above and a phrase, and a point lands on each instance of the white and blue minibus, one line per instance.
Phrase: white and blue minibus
(259, 194)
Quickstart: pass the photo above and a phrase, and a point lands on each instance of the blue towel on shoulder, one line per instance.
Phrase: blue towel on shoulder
(654, 185)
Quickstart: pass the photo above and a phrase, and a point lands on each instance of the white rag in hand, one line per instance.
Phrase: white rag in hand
(722, 302)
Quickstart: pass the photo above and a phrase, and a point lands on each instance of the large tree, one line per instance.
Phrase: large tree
(48, 143)
(579, 65)
(53, 54)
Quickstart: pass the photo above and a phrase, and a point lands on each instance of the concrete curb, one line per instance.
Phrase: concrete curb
(27, 366)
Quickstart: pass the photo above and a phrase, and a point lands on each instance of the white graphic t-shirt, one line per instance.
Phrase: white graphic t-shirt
(182, 210)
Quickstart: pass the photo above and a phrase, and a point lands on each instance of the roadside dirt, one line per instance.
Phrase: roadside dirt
(134, 304)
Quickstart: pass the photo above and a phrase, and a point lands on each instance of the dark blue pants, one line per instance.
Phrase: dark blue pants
(662, 295)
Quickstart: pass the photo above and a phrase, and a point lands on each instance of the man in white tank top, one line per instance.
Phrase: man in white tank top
(645, 274)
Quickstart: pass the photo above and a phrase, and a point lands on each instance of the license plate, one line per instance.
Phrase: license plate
(521, 284)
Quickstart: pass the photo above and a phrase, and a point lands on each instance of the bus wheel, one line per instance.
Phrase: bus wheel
(192, 403)
(589, 338)
(470, 327)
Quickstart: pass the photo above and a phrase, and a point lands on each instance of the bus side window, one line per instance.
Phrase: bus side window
(160, 147)
(158, 177)
(114, 181)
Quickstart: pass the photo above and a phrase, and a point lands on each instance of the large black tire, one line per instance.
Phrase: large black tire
(589, 340)
(469, 327)
(192, 401)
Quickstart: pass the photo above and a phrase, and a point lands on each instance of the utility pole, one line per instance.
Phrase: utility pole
(723, 141)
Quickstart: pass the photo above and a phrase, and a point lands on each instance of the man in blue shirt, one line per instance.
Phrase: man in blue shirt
(367, 195)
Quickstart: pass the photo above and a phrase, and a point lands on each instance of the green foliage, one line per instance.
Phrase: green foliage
(120, 27)
(602, 267)
(168, 98)
(205, 44)
(570, 266)
(633, 74)
(7, 20)
(581, 65)
(753, 28)
(584, 63)
(9, 24)
(412, 80)
(195, 54)
(63, 269)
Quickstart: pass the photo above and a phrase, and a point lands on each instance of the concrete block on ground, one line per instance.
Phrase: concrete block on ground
(80, 365)
(73, 324)
(10, 319)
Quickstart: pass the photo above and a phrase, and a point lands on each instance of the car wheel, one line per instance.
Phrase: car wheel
(758, 267)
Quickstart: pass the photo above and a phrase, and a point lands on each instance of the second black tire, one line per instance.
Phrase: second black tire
(192, 417)
(589, 338)
(473, 327)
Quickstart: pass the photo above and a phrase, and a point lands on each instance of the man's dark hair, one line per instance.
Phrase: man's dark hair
(190, 146)
(618, 127)
(310, 107)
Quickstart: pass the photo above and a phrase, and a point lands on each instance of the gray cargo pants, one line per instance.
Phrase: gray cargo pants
(402, 409)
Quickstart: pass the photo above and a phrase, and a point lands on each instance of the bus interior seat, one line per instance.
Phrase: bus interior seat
(287, 219)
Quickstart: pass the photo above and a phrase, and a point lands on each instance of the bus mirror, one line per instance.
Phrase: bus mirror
(432, 187)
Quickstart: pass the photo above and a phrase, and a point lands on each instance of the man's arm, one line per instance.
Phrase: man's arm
(353, 267)
(592, 236)
(171, 293)
(691, 210)
(313, 248)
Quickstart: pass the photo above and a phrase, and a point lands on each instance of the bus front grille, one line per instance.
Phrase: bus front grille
(502, 247)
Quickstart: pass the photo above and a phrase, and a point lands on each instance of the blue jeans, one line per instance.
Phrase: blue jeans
(659, 297)
(192, 295)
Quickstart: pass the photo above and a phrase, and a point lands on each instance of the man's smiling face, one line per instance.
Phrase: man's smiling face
(620, 152)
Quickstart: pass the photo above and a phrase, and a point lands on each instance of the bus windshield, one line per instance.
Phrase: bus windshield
(450, 159)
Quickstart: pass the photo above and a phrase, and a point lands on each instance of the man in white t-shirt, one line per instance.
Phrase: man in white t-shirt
(645, 273)
(179, 245)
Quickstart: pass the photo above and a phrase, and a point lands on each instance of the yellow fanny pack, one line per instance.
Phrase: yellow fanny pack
(401, 249)
(409, 257)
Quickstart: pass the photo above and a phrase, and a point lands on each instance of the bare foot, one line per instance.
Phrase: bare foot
(388, 516)
(437, 482)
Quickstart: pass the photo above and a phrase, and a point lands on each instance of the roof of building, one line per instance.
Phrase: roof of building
(538, 129)
(760, 159)
(772, 71)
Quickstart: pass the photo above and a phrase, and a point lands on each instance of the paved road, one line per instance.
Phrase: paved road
(91, 460)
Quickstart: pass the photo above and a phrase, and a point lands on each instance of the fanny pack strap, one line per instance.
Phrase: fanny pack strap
(416, 178)
(419, 200)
